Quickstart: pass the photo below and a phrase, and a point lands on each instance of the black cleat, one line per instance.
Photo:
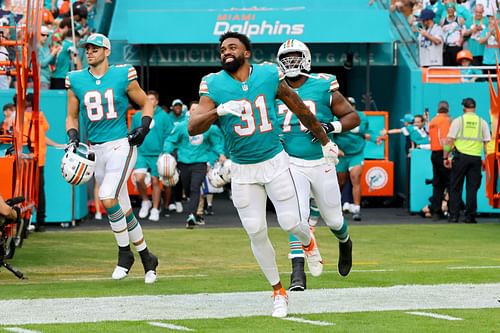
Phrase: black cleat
(345, 257)
(125, 262)
(356, 217)
(209, 211)
(298, 276)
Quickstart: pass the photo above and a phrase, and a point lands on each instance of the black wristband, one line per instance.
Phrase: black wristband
(146, 121)
(73, 134)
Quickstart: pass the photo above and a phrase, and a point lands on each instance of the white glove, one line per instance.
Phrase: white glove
(232, 107)
(331, 153)
(355, 129)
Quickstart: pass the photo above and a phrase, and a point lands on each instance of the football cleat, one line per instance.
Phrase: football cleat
(298, 276)
(145, 207)
(190, 222)
(313, 257)
(125, 262)
(280, 303)
(345, 257)
(150, 264)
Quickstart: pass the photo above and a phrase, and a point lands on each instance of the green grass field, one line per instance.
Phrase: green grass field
(79, 263)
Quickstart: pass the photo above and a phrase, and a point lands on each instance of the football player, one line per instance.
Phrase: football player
(241, 97)
(100, 94)
(312, 174)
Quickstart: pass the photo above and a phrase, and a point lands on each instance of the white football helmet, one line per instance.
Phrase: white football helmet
(78, 164)
(166, 165)
(147, 177)
(226, 171)
(172, 180)
(296, 65)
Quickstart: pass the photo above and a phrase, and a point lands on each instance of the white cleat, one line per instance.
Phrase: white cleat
(119, 273)
(178, 207)
(145, 207)
(280, 304)
(150, 277)
(313, 257)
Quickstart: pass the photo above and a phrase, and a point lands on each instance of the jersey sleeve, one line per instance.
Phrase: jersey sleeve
(333, 84)
(204, 89)
(67, 81)
(132, 73)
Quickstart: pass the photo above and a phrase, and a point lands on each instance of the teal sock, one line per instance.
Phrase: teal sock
(343, 233)
(296, 250)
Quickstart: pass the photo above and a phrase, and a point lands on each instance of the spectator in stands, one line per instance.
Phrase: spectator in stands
(438, 8)
(488, 37)
(66, 61)
(47, 56)
(473, 33)
(60, 33)
(490, 6)
(430, 40)
(9, 114)
(467, 138)
(147, 156)
(461, 11)
(464, 58)
(4, 56)
(452, 33)
(438, 132)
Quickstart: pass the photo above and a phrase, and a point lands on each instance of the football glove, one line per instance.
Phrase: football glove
(331, 153)
(333, 127)
(74, 137)
(137, 135)
(232, 107)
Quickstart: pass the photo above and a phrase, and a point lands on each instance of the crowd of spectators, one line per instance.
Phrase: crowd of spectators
(59, 37)
(444, 28)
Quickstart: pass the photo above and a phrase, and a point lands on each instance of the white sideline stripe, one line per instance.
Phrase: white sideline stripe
(19, 330)
(473, 267)
(246, 304)
(170, 326)
(433, 315)
(136, 277)
(312, 322)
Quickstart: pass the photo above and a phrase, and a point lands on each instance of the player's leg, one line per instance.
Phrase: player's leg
(342, 177)
(140, 172)
(355, 170)
(210, 204)
(154, 214)
(298, 276)
(250, 202)
(112, 171)
(185, 177)
(314, 213)
(198, 173)
(327, 195)
(282, 191)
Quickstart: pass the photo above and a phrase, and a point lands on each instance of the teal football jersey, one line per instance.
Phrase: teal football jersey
(316, 93)
(253, 137)
(353, 143)
(103, 101)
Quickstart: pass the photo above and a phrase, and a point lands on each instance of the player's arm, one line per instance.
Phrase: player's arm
(203, 116)
(138, 96)
(295, 104)
(348, 118)
(72, 118)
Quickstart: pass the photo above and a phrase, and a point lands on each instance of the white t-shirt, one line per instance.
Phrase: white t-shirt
(430, 53)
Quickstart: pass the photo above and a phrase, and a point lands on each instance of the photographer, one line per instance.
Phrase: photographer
(67, 60)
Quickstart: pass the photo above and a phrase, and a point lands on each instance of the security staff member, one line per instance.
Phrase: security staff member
(438, 131)
(469, 134)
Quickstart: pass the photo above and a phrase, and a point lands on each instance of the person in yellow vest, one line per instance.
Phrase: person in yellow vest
(467, 138)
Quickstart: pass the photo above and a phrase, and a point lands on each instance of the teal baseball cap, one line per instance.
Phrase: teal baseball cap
(98, 40)
(407, 118)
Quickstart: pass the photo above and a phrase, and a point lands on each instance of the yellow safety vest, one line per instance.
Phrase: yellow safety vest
(469, 139)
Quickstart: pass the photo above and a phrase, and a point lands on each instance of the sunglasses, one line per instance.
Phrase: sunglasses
(44, 35)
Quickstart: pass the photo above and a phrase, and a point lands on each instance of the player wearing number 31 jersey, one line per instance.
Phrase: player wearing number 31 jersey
(241, 98)
(100, 95)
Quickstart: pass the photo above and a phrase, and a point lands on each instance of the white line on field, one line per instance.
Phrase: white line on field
(19, 330)
(247, 304)
(312, 322)
(433, 315)
(473, 267)
(135, 277)
(170, 326)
